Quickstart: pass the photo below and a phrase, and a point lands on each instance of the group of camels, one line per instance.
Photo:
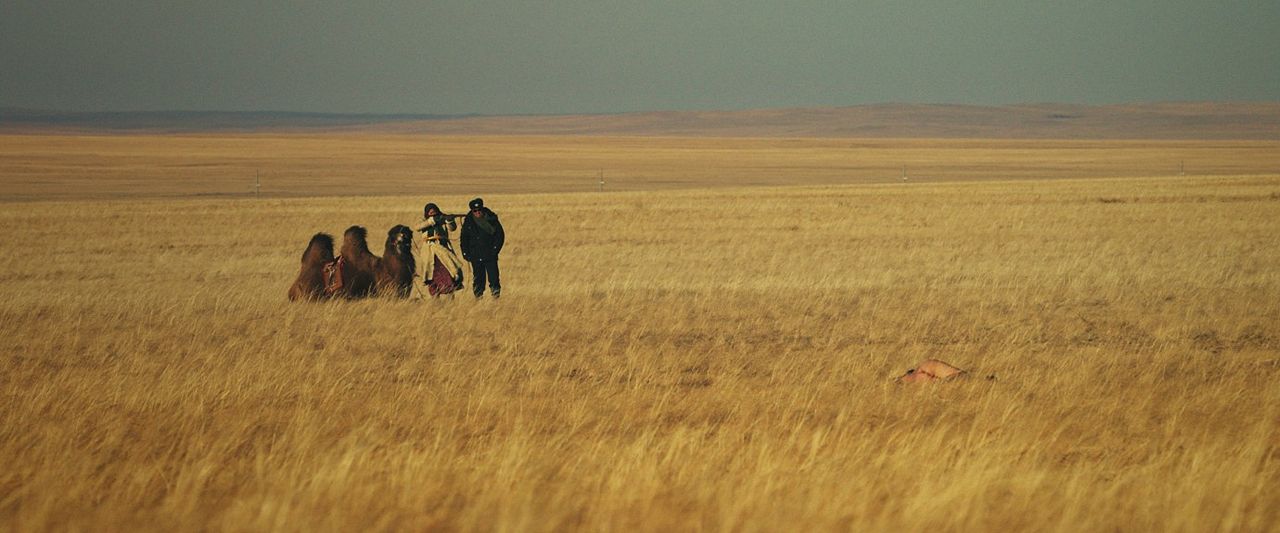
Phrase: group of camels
(356, 272)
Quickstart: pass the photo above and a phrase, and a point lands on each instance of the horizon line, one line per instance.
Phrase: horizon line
(8, 109)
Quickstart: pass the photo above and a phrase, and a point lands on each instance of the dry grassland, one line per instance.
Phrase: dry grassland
(717, 359)
(361, 163)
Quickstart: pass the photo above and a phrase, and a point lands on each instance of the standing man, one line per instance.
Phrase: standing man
(482, 239)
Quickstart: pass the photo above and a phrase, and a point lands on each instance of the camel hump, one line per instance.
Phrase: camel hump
(322, 239)
(321, 246)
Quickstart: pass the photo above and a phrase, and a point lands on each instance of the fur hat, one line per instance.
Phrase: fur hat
(476, 204)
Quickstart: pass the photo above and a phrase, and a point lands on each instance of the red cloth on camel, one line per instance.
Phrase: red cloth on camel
(441, 280)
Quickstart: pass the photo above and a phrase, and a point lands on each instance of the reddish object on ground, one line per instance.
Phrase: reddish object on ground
(930, 370)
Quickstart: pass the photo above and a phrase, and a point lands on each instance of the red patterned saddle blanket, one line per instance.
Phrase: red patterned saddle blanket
(333, 276)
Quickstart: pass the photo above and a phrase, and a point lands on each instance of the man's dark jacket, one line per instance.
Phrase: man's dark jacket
(477, 241)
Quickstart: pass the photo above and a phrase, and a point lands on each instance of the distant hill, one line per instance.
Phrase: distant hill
(192, 121)
(1179, 120)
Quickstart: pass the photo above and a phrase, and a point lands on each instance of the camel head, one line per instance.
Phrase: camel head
(400, 240)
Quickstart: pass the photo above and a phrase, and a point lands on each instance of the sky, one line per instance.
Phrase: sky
(607, 56)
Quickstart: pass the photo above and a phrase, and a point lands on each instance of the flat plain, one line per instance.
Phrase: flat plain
(146, 165)
(709, 344)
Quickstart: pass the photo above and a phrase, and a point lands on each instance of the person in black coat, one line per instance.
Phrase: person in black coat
(482, 239)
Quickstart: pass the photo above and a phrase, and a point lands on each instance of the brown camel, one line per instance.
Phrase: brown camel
(395, 273)
(360, 266)
(310, 282)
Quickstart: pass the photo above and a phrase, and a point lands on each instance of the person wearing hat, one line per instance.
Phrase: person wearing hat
(482, 239)
(436, 226)
(441, 269)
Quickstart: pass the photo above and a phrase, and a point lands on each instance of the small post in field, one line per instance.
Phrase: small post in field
(257, 183)
(601, 176)
(904, 173)
(1182, 168)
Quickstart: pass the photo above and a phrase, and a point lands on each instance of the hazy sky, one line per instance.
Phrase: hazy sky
(564, 56)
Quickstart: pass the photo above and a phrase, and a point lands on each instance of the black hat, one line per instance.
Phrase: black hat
(476, 204)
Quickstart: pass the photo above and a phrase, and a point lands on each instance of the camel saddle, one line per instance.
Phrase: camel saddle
(333, 276)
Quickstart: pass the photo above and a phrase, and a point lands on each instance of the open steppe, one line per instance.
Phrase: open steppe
(363, 164)
(679, 352)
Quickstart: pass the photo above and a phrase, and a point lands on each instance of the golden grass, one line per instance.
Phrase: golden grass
(361, 163)
(709, 359)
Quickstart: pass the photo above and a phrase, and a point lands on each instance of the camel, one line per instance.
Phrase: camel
(310, 284)
(359, 266)
(396, 269)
